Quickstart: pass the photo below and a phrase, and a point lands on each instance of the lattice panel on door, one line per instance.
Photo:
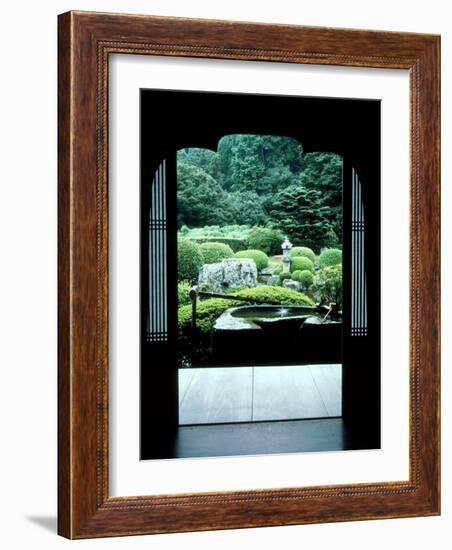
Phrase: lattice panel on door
(358, 272)
(157, 323)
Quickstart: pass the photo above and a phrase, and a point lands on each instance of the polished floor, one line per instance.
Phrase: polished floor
(250, 394)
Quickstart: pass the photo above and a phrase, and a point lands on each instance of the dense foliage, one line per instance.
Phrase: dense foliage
(330, 256)
(267, 239)
(258, 256)
(215, 252)
(189, 260)
(183, 290)
(263, 181)
(327, 285)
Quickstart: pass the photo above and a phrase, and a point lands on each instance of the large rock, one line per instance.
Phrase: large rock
(229, 274)
(292, 285)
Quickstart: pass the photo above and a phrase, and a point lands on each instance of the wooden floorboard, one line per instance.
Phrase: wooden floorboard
(185, 379)
(282, 393)
(218, 395)
(327, 379)
(242, 394)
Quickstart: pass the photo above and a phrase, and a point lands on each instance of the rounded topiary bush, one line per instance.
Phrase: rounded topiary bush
(189, 260)
(267, 239)
(258, 256)
(304, 277)
(330, 256)
(301, 263)
(215, 252)
(303, 251)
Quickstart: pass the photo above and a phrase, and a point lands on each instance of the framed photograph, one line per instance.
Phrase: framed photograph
(248, 275)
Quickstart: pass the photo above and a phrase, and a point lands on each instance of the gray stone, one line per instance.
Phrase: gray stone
(230, 274)
(292, 285)
(274, 280)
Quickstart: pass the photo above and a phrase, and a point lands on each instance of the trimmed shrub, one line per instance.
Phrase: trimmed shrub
(327, 284)
(330, 256)
(258, 256)
(302, 251)
(235, 243)
(215, 231)
(301, 263)
(183, 289)
(215, 252)
(277, 270)
(304, 277)
(266, 239)
(207, 312)
(189, 260)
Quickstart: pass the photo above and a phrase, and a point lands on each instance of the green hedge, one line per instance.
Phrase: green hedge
(284, 296)
(303, 251)
(189, 260)
(301, 263)
(258, 256)
(305, 277)
(330, 256)
(215, 252)
(235, 244)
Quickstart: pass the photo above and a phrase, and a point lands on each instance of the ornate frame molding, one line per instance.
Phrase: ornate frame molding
(85, 42)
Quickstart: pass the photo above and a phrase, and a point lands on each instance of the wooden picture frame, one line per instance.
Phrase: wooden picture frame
(85, 508)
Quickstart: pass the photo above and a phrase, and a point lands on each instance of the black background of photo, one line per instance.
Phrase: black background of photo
(172, 120)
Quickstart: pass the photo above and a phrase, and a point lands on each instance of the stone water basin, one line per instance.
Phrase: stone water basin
(277, 334)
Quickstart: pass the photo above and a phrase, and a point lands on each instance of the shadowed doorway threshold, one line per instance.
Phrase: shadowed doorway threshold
(254, 438)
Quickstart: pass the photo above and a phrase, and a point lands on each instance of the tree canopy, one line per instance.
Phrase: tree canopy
(263, 181)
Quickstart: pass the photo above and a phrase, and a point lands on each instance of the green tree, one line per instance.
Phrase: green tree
(200, 198)
(297, 212)
(323, 172)
(246, 207)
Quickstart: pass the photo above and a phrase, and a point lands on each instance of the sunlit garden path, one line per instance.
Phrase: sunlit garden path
(244, 394)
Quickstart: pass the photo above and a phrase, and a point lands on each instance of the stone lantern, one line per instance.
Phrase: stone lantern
(286, 248)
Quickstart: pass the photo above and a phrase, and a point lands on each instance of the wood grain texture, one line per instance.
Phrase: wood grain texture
(85, 41)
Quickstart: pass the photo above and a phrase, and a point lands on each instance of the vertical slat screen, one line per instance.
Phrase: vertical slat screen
(157, 323)
(358, 272)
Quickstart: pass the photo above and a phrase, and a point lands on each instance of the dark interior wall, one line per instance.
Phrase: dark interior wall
(172, 120)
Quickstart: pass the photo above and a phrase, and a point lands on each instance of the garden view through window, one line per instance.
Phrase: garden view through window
(260, 274)
(259, 281)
